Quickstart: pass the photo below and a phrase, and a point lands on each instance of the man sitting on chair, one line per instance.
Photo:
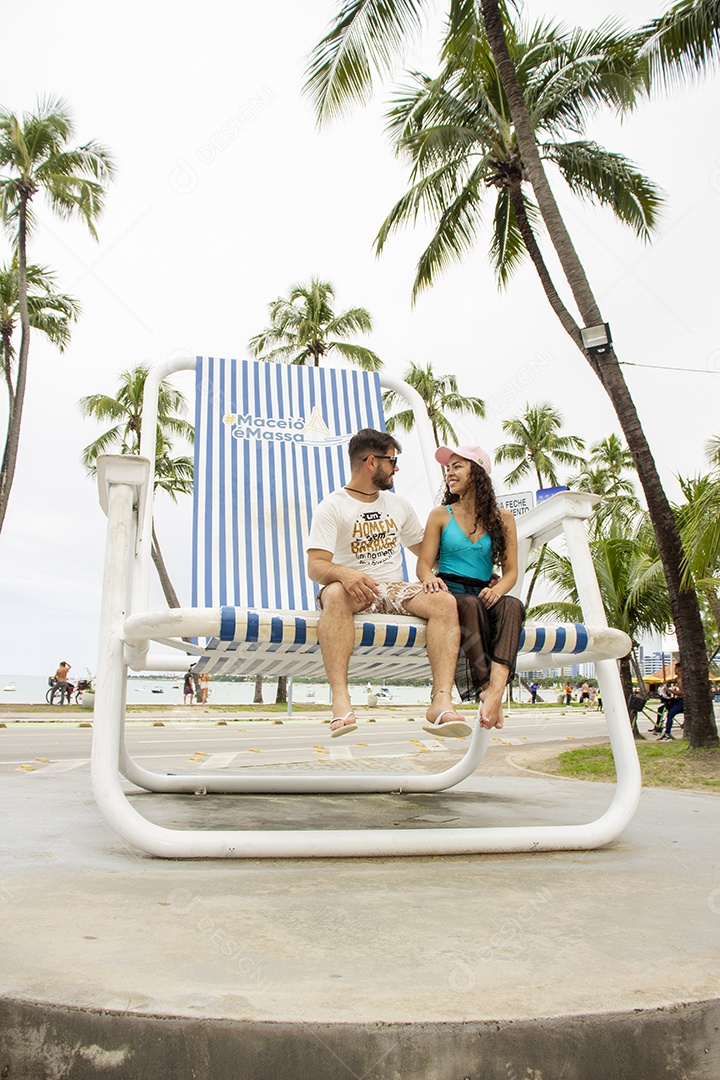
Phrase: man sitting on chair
(354, 554)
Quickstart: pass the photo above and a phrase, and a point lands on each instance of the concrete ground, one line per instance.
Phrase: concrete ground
(554, 966)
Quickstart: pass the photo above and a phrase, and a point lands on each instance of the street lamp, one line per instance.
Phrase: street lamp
(596, 339)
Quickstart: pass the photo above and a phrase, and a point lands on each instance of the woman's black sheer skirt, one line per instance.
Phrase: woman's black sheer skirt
(487, 636)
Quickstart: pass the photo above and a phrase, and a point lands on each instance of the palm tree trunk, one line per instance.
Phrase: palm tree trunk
(281, 694)
(12, 440)
(171, 597)
(700, 723)
(627, 686)
(541, 556)
(534, 578)
(258, 697)
(7, 358)
(531, 244)
(714, 601)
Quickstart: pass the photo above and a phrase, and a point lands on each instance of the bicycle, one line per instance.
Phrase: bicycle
(639, 706)
(59, 691)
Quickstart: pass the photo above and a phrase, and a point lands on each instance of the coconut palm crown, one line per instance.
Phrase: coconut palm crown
(304, 328)
(456, 132)
(441, 396)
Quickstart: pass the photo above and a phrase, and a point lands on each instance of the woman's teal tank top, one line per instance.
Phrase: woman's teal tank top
(459, 555)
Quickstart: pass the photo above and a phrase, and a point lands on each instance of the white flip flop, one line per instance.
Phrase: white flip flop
(451, 729)
(345, 729)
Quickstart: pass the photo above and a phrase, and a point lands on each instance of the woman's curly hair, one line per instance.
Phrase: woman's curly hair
(487, 514)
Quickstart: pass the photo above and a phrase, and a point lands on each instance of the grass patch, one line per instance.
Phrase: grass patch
(667, 765)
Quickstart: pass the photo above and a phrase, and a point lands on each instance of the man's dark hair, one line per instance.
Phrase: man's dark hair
(369, 441)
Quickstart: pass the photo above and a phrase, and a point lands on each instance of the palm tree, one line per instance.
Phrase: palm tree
(49, 312)
(35, 157)
(700, 723)
(538, 446)
(699, 522)
(304, 328)
(441, 395)
(173, 475)
(365, 39)
(604, 474)
(632, 588)
(456, 132)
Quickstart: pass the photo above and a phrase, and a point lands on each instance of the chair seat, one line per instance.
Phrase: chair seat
(247, 641)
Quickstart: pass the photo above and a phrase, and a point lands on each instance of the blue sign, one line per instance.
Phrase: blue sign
(547, 493)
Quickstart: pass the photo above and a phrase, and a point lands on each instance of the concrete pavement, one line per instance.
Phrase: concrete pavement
(559, 965)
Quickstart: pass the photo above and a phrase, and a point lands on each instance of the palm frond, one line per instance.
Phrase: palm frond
(610, 179)
(365, 38)
(684, 42)
(507, 250)
(357, 354)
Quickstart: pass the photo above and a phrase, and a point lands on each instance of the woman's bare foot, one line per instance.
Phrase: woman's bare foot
(491, 713)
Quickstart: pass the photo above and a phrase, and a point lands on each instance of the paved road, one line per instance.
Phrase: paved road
(63, 747)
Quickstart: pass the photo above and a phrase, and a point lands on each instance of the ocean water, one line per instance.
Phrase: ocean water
(164, 690)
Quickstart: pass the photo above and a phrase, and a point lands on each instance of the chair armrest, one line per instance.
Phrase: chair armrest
(122, 469)
(545, 521)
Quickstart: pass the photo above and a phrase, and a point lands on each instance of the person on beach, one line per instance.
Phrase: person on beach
(466, 537)
(354, 554)
(204, 687)
(61, 680)
(188, 688)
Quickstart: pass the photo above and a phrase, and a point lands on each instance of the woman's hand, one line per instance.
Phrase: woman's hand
(490, 596)
(431, 583)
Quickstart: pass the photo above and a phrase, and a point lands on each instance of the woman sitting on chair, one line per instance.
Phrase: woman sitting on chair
(466, 537)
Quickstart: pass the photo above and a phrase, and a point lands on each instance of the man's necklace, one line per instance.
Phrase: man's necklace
(367, 494)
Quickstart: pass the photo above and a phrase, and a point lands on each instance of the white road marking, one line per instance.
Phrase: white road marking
(63, 766)
(218, 761)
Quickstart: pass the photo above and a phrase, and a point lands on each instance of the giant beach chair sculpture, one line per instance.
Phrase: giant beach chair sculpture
(271, 441)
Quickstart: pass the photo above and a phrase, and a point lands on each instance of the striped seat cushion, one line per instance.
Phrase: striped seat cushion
(285, 643)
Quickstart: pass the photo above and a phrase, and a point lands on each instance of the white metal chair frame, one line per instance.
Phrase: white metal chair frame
(126, 629)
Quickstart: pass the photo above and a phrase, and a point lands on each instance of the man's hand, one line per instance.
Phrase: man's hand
(361, 587)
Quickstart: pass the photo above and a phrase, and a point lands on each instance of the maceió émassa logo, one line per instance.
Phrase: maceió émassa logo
(296, 429)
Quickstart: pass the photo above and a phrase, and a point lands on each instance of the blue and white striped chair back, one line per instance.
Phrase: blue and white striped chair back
(270, 443)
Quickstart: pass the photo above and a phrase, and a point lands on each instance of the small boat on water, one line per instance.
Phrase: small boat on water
(157, 690)
(10, 688)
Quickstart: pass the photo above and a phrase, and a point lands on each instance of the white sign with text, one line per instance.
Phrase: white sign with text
(518, 503)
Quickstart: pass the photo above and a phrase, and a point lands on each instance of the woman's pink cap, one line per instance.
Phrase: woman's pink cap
(470, 453)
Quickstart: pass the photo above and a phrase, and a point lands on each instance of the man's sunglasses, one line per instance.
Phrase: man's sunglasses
(383, 457)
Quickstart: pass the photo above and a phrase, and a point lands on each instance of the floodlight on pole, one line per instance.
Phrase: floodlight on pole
(596, 339)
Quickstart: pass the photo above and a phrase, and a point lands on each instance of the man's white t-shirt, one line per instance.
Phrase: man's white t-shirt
(366, 536)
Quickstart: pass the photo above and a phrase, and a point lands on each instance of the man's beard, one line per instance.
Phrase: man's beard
(381, 480)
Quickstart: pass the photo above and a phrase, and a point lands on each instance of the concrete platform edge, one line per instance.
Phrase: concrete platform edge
(679, 1042)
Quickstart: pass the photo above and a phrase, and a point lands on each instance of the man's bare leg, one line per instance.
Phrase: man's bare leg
(336, 637)
(443, 645)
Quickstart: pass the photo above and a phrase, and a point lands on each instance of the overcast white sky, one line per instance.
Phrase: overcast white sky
(226, 194)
